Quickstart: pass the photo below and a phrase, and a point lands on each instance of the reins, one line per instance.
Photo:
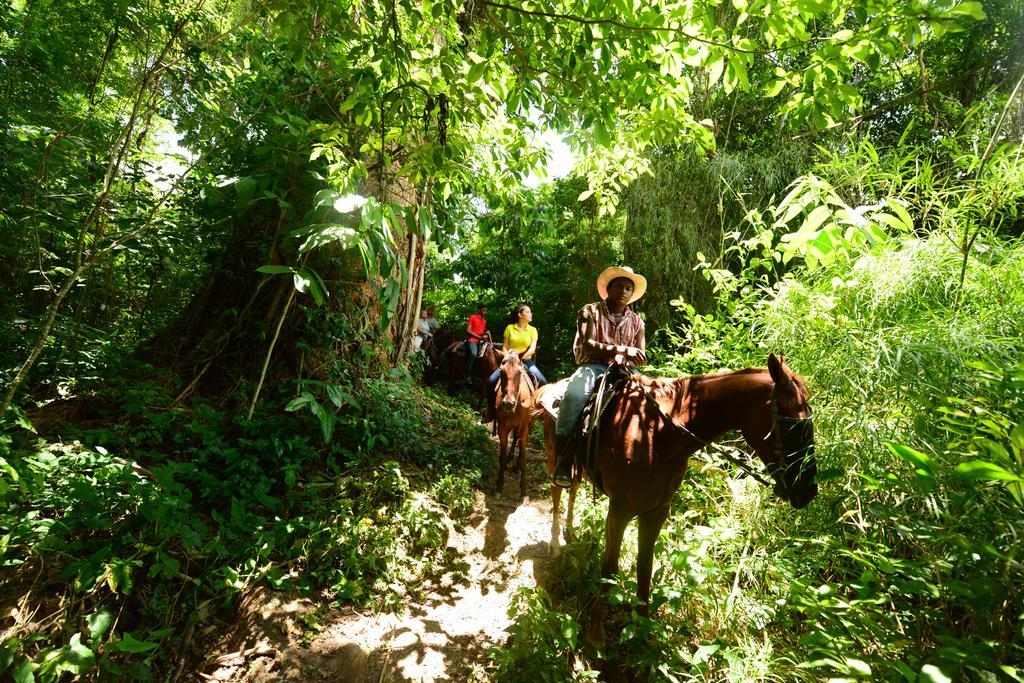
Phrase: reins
(683, 428)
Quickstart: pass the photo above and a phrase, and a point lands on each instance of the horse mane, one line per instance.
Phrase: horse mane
(673, 387)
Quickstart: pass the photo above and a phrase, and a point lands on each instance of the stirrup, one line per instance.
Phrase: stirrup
(562, 479)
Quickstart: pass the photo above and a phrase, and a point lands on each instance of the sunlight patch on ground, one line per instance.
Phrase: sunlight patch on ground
(447, 633)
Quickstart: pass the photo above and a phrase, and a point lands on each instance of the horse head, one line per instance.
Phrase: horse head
(437, 344)
(784, 436)
(510, 382)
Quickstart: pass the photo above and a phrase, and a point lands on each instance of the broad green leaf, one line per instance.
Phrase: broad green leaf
(901, 211)
(24, 672)
(1012, 672)
(129, 644)
(914, 457)
(98, 624)
(318, 236)
(921, 462)
(74, 658)
(981, 470)
(775, 87)
(808, 230)
(299, 401)
(1017, 441)
(274, 270)
(736, 74)
(892, 222)
(715, 68)
(118, 574)
(974, 10)
(327, 422)
(858, 667)
(310, 280)
(933, 674)
(300, 281)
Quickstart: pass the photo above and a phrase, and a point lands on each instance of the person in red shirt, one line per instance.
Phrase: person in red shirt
(476, 333)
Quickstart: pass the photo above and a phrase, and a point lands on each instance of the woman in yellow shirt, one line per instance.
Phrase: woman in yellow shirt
(520, 337)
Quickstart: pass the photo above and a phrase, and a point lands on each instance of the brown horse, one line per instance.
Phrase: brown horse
(513, 410)
(434, 348)
(486, 364)
(648, 436)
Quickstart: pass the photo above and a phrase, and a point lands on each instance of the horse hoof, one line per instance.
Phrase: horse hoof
(554, 548)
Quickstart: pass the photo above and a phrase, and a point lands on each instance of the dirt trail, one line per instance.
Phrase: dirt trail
(443, 637)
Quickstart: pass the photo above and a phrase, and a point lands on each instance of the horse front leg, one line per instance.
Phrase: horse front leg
(556, 491)
(523, 433)
(648, 527)
(569, 533)
(556, 520)
(453, 375)
(614, 527)
(513, 462)
(482, 398)
(502, 457)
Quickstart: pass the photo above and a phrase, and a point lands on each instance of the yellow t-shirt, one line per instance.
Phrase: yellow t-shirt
(520, 340)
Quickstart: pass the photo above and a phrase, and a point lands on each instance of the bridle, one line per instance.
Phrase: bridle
(519, 381)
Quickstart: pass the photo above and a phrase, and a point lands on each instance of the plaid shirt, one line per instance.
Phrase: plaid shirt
(605, 330)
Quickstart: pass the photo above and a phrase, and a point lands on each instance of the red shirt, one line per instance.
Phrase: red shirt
(477, 324)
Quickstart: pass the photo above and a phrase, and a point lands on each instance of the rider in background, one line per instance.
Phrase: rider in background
(520, 336)
(432, 323)
(604, 329)
(423, 332)
(476, 333)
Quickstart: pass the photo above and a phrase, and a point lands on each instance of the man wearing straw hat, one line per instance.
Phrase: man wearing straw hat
(604, 329)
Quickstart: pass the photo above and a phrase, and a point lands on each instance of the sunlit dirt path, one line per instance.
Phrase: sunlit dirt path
(443, 637)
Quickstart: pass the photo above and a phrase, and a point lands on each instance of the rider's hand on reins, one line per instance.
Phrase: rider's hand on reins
(632, 356)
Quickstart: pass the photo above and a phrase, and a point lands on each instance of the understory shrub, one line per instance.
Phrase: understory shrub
(908, 565)
(120, 544)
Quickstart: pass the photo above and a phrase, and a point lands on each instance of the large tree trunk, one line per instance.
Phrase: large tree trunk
(222, 338)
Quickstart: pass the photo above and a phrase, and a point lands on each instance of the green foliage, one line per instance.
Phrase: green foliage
(541, 642)
(129, 536)
(545, 251)
(907, 566)
(362, 520)
(686, 208)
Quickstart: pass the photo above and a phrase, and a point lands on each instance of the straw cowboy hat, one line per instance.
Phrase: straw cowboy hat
(609, 274)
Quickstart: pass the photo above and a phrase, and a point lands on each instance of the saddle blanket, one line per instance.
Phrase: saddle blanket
(552, 396)
(462, 347)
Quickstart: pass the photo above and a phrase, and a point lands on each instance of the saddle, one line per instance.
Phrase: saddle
(462, 348)
(586, 437)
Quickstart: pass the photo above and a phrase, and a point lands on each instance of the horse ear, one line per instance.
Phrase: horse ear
(777, 369)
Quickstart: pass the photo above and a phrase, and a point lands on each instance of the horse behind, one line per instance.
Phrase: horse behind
(434, 348)
(486, 364)
(513, 410)
(648, 436)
